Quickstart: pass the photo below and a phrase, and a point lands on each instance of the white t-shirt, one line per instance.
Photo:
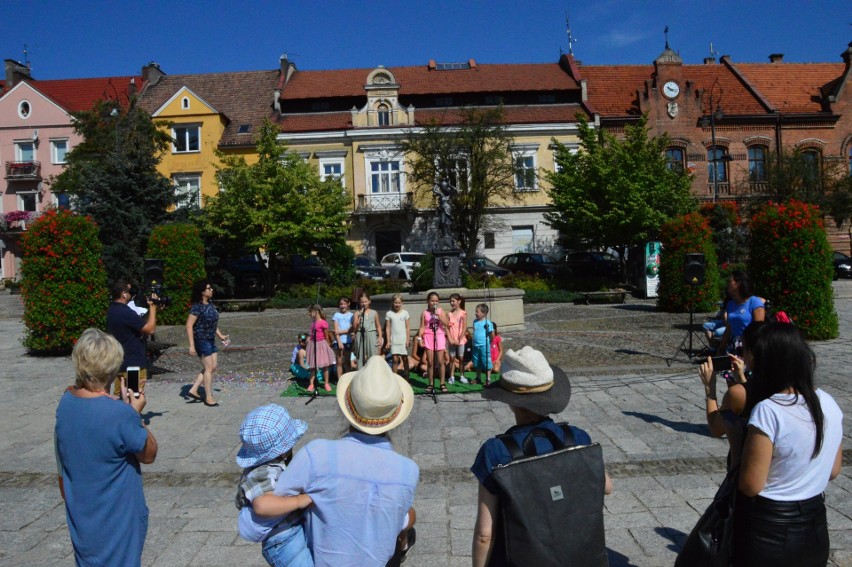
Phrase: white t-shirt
(793, 475)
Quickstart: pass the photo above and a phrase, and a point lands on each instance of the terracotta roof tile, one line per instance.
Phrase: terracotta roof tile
(420, 80)
(792, 87)
(243, 97)
(81, 94)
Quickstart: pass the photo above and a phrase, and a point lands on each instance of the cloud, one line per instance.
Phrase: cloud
(618, 38)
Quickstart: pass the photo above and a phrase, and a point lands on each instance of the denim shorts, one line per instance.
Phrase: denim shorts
(288, 548)
(205, 348)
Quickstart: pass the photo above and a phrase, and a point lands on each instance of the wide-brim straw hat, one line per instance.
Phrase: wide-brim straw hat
(374, 399)
(528, 381)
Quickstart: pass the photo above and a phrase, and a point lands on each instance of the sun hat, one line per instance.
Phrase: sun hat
(268, 432)
(528, 381)
(374, 399)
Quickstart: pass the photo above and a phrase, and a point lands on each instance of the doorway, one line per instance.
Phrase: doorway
(387, 241)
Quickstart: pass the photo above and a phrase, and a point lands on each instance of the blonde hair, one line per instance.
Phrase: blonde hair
(397, 296)
(97, 358)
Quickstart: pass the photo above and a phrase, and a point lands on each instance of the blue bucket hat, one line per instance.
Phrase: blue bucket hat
(268, 432)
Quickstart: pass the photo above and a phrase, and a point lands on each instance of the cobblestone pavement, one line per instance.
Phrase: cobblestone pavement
(645, 409)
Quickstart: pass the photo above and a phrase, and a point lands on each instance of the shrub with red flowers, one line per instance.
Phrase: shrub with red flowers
(63, 281)
(182, 251)
(791, 266)
(687, 234)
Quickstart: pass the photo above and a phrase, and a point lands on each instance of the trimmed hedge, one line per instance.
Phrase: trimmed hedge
(791, 266)
(182, 251)
(63, 281)
(685, 235)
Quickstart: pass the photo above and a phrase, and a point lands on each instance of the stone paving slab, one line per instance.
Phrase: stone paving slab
(645, 410)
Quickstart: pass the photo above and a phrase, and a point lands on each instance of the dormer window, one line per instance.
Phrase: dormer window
(383, 112)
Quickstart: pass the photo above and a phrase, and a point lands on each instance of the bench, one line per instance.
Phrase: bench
(610, 293)
(250, 304)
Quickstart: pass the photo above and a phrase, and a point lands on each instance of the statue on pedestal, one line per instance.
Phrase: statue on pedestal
(447, 255)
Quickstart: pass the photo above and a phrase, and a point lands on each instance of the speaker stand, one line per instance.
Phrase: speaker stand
(687, 338)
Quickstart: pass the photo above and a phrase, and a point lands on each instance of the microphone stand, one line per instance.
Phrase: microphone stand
(433, 325)
(362, 343)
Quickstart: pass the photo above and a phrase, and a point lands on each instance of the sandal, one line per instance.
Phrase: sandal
(444, 389)
(429, 390)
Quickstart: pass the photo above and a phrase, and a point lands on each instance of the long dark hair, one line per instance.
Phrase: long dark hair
(743, 283)
(198, 289)
(783, 359)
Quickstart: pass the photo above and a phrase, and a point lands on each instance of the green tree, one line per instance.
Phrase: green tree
(475, 156)
(63, 281)
(182, 252)
(278, 204)
(112, 176)
(615, 192)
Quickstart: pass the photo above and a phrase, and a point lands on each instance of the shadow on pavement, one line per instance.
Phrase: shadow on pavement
(681, 426)
(676, 537)
(618, 560)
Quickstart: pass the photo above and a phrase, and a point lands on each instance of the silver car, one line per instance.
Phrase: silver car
(400, 265)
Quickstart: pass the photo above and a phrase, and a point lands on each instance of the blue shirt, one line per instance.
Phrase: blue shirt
(125, 325)
(207, 321)
(494, 452)
(741, 315)
(362, 491)
(97, 441)
(481, 328)
(344, 322)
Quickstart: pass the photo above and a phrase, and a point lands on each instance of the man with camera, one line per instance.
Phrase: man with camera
(130, 329)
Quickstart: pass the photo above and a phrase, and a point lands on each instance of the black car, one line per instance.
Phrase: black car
(366, 267)
(530, 263)
(482, 265)
(842, 265)
(591, 263)
(301, 270)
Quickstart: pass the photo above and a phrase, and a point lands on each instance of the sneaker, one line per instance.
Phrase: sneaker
(311, 388)
(463, 380)
(327, 387)
(451, 380)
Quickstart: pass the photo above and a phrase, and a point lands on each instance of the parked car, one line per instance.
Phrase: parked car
(483, 265)
(842, 265)
(248, 273)
(401, 265)
(530, 263)
(591, 263)
(300, 269)
(366, 267)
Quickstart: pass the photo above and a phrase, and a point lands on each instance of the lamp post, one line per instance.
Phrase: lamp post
(715, 113)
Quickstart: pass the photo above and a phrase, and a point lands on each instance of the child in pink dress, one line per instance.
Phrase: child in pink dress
(433, 337)
(320, 356)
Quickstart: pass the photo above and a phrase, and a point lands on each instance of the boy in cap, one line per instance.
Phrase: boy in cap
(268, 434)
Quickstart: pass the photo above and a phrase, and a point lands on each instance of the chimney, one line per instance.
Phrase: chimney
(151, 73)
(709, 60)
(776, 58)
(131, 88)
(15, 73)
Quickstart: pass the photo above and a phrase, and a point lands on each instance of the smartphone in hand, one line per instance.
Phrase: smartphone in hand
(721, 363)
(133, 379)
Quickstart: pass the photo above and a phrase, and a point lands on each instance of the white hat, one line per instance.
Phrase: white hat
(373, 398)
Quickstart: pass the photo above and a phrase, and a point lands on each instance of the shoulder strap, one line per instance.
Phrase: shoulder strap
(529, 448)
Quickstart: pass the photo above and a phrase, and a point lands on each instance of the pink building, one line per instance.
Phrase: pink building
(36, 134)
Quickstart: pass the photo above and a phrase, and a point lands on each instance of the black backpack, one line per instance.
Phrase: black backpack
(551, 505)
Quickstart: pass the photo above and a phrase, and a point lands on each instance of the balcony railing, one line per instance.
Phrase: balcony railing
(384, 202)
(724, 188)
(23, 170)
(17, 221)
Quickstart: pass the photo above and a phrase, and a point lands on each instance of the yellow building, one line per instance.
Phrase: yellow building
(208, 112)
(350, 124)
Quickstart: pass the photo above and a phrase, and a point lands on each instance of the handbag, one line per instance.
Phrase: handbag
(710, 543)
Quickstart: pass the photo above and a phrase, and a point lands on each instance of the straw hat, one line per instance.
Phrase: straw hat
(528, 381)
(373, 398)
(268, 432)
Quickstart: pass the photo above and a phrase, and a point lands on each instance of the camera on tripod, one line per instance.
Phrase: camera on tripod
(152, 283)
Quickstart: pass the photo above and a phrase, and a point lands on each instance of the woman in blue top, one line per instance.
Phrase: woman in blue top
(202, 328)
(533, 389)
(740, 311)
(100, 441)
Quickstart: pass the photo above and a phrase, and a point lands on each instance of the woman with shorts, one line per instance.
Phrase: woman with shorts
(202, 328)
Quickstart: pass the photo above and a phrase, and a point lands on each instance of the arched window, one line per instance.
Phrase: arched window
(812, 160)
(717, 164)
(384, 114)
(757, 164)
(674, 159)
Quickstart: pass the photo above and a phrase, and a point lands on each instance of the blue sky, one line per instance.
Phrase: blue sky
(90, 38)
